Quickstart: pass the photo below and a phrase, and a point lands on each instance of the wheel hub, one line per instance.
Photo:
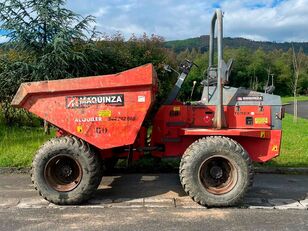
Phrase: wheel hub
(66, 171)
(218, 175)
(216, 172)
(63, 173)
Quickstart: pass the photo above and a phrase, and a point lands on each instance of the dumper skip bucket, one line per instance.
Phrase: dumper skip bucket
(106, 111)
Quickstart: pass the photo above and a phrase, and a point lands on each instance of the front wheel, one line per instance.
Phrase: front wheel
(216, 171)
(66, 171)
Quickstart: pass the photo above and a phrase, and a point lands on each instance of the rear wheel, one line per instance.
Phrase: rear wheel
(216, 171)
(66, 171)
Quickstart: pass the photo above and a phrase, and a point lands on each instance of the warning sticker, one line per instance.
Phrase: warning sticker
(261, 120)
(79, 129)
(275, 148)
(262, 134)
(176, 108)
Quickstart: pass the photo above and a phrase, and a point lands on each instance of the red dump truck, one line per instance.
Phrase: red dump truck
(101, 118)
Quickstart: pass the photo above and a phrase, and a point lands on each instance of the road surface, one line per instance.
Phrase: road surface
(302, 109)
(156, 202)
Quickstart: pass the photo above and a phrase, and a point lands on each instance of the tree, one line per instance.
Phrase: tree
(297, 66)
(33, 24)
(282, 68)
(241, 70)
(44, 33)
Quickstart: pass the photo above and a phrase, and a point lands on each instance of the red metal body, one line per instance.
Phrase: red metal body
(108, 112)
(177, 126)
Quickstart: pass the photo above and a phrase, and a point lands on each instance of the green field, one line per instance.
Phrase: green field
(18, 144)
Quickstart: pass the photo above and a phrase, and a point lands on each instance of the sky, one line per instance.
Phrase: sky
(265, 20)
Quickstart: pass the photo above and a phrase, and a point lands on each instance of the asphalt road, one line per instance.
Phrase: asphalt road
(302, 109)
(152, 219)
(156, 202)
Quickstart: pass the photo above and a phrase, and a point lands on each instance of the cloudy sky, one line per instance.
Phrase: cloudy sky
(273, 20)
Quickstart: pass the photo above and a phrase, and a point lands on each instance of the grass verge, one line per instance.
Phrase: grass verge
(19, 144)
(294, 147)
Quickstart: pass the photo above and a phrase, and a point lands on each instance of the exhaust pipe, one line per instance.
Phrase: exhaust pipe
(219, 117)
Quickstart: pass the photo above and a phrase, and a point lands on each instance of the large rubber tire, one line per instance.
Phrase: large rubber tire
(84, 175)
(216, 171)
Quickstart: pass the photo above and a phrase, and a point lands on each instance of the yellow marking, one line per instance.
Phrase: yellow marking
(262, 134)
(261, 120)
(79, 129)
(176, 108)
(105, 113)
(275, 148)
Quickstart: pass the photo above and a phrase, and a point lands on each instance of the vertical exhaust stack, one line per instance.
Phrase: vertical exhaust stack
(219, 118)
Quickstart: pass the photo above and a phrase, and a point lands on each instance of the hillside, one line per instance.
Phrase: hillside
(201, 43)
